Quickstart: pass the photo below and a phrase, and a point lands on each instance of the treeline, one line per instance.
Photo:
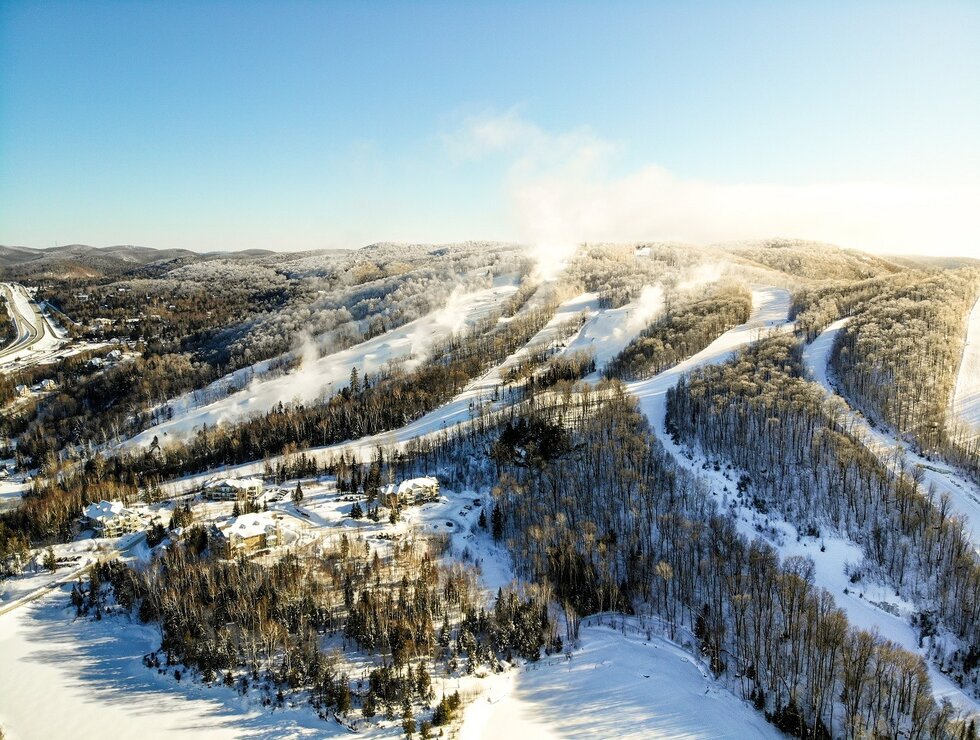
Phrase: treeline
(683, 331)
(761, 414)
(7, 330)
(588, 502)
(262, 628)
(815, 308)
(619, 272)
(899, 355)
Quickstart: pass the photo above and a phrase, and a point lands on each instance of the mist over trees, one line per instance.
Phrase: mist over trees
(595, 513)
(687, 328)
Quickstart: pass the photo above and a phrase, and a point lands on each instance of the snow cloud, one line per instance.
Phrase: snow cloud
(561, 193)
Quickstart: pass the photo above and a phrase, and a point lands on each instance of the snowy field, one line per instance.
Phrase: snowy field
(966, 396)
(616, 686)
(326, 375)
(66, 678)
(964, 496)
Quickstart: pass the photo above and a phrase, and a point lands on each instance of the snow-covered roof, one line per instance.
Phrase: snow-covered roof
(239, 483)
(105, 510)
(412, 483)
(247, 525)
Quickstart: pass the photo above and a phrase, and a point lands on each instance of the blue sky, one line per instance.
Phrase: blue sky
(305, 125)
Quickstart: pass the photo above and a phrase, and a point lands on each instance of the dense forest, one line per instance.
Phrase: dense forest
(279, 630)
(589, 503)
(899, 355)
(759, 413)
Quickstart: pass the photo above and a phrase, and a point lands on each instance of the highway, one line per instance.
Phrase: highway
(30, 329)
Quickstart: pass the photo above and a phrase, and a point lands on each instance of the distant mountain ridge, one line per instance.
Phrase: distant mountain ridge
(83, 261)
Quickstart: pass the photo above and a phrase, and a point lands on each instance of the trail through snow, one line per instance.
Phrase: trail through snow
(867, 606)
(770, 311)
(964, 496)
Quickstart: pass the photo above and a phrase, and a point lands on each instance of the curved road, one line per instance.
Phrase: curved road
(30, 330)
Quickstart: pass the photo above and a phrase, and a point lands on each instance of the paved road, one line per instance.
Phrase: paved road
(30, 329)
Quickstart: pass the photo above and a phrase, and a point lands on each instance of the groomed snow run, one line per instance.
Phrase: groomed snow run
(618, 685)
(460, 410)
(966, 396)
(329, 374)
(964, 496)
(770, 312)
(608, 332)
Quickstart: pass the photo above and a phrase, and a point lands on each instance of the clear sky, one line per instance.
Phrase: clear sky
(292, 125)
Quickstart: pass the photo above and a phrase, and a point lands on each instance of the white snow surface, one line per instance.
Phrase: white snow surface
(329, 374)
(609, 331)
(617, 685)
(964, 495)
(966, 396)
(65, 678)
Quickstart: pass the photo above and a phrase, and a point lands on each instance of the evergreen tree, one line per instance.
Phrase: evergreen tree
(50, 561)
(298, 494)
(498, 523)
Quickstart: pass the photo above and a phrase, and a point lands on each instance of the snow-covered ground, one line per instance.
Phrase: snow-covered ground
(869, 606)
(11, 492)
(966, 396)
(617, 685)
(964, 496)
(329, 374)
(66, 678)
(609, 331)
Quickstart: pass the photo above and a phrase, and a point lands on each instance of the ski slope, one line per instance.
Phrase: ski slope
(327, 375)
(868, 606)
(966, 395)
(770, 312)
(462, 409)
(616, 686)
(964, 496)
(609, 330)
